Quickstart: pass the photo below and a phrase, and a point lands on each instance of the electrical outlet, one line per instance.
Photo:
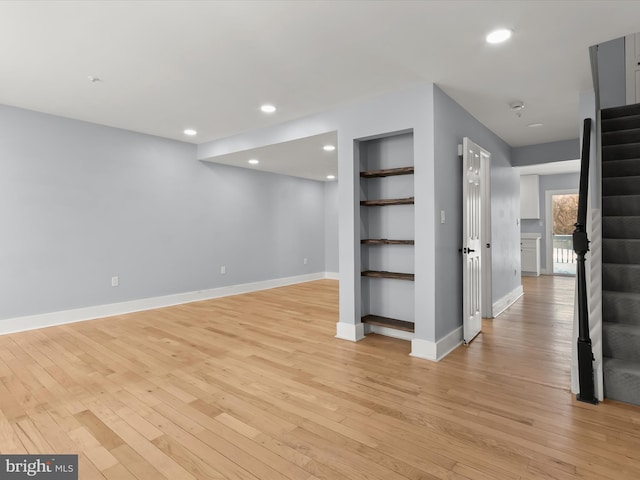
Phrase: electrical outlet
(305, 261)
(223, 270)
(443, 219)
(115, 281)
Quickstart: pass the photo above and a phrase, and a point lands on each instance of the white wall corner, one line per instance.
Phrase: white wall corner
(350, 331)
(424, 349)
(332, 275)
(436, 351)
(505, 302)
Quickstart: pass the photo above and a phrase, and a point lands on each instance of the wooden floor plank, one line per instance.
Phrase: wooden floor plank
(256, 386)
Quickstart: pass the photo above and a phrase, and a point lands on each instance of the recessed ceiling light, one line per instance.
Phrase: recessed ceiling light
(268, 108)
(331, 177)
(499, 36)
(329, 148)
(535, 125)
(253, 161)
(190, 131)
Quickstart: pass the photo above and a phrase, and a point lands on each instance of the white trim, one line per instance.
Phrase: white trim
(485, 233)
(630, 63)
(332, 275)
(449, 343)
(436, 351)
(388, 332)
(505, 302)
(353, 332)
(529, 274)
(32, 322)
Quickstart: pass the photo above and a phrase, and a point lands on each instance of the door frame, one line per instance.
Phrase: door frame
(548, 198)
(485, 234)
(632, 57)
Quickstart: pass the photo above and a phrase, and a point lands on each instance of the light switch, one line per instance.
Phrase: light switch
(442, 217)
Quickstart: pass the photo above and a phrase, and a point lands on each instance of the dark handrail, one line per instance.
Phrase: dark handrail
(581, 247)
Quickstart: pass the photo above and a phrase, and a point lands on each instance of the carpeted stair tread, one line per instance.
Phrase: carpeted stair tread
(621, 168)
(621, 340)
(620, 277)
(621, 307)
(621, 250)
(623, 123)
(621, 185)
(621, 136)
(621, 152)
(621, 205)
(620, 128)
(621, 380)
(623, 111)
(621, 226)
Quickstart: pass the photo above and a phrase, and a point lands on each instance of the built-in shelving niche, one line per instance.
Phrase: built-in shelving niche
(387, 231)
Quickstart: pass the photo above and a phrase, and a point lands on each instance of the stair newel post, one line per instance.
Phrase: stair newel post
(581, 247)
(585, 353)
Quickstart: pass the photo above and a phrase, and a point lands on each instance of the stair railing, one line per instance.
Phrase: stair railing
(581, 247)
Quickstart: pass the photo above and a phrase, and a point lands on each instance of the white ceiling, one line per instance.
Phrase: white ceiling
(552, 168)
(209, 65)
(304, 158)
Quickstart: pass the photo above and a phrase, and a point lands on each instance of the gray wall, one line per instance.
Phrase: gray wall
(546, 153)
(612, 73)
(401, 111)
(565, 181)
(331, 226)
(452, 123)
(81, 202)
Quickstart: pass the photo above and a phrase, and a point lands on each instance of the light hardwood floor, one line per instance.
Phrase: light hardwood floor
(256, 387)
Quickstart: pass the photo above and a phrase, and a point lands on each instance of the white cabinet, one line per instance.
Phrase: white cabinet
(530, 251)
(529, 196)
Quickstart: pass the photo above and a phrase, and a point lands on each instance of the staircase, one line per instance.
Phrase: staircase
(621, 252)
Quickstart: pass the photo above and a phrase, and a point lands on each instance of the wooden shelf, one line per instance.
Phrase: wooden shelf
(385, 241)
(389, 323)
(388, 172)
(385, 202)
(382, 274)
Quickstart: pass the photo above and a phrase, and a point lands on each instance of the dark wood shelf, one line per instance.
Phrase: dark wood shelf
(382, 274)
(389, 323)
(385, 241)
(388, 172)
(385, 202)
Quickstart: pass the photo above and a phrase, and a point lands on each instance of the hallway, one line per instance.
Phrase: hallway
(532, 339)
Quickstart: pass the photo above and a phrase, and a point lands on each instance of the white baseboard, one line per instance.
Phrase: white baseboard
(388, 332)
(436, 351)
(505, 302)
(32, 322)
(332, 275)
(353, 332)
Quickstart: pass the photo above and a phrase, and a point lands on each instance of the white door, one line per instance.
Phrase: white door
(632, 61)
(472, 159)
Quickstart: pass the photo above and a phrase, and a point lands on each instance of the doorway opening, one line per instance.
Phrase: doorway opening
(564, 211)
